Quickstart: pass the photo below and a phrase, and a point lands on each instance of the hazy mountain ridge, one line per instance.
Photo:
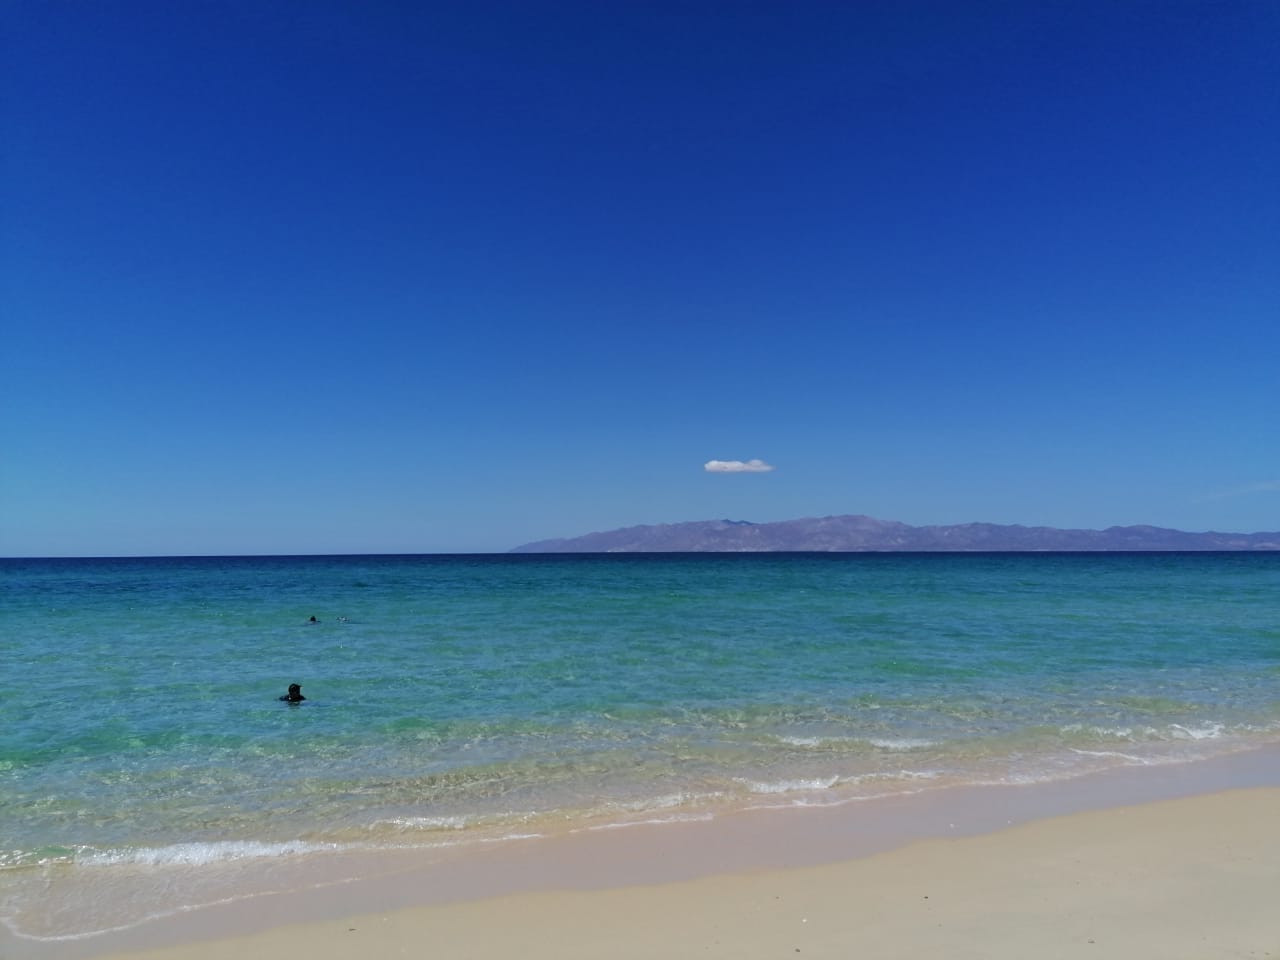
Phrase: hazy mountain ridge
(867, 534)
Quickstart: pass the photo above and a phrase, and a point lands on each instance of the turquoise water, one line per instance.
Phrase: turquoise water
(147, 766)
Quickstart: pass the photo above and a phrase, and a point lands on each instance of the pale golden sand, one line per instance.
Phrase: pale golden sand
(1195, 878)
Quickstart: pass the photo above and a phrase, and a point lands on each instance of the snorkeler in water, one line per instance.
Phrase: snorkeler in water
(294, 695)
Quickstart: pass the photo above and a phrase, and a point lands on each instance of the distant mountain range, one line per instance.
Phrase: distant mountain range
(866, 534)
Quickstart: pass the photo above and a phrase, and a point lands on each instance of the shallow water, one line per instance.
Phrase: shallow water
(147, 766)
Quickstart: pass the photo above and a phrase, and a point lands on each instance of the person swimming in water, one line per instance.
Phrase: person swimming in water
(294, 695)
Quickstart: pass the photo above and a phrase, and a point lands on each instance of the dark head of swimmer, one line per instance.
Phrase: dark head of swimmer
(295, 694)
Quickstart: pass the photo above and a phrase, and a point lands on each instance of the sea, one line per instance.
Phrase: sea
(148, 766)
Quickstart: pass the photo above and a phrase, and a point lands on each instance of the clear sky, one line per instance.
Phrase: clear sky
(429, 277)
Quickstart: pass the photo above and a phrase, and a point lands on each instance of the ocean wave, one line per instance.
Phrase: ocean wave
(1211, 730)
(788, 786)
(664, 801)
(810, 741)
(424, 823)
(892, 744)
(902, 743)
(198, 854)
(1116, 754)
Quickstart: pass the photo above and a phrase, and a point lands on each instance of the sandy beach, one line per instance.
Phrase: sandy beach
(990, 873)
(1194, 878)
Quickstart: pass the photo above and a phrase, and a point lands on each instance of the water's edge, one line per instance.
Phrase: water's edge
(653, 852)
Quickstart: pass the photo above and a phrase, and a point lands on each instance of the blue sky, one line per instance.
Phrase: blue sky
(364, 277)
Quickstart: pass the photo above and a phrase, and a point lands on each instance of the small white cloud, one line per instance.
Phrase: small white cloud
(736, 466)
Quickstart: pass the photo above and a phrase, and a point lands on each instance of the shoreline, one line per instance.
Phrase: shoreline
(792, 846)
(1103, 884)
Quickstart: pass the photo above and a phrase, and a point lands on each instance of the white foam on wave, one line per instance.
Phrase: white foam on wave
(1128, 757)
(788, 786)
(1108, 733)
(686, 807)
(663, 802)
(822, 791)
(840, 798)
(424, 823)
(1210, 731)
(805, 741)
(198, 854)
(902, 743)
(894, 744)
(899, 775)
